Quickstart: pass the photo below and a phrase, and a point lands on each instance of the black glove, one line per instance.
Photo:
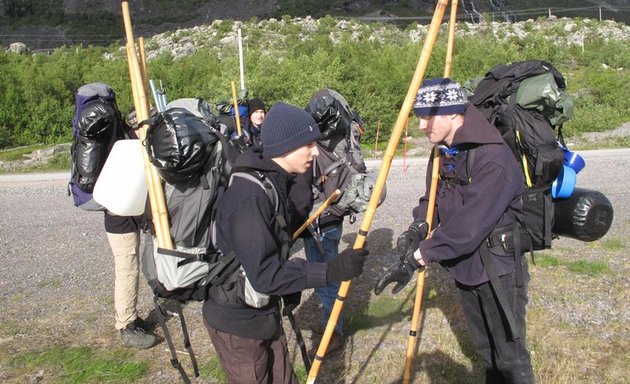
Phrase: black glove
(290, 302)
(399, 273)
(410, 240)
(239, 143)
(406, 245)
(347, 265)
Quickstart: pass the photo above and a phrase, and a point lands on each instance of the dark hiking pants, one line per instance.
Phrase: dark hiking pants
(507, 359)
(253, 361)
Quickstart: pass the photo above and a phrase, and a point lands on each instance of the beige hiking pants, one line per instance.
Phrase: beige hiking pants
(125, 248)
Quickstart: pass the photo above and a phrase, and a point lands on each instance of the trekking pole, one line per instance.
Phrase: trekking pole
(156, 96)
(237, 113)
(316, 214)
(298, 334)
(141, 103)
(435, 172)
(380, 181)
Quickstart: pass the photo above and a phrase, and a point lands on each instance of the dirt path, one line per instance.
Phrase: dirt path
(57, 289)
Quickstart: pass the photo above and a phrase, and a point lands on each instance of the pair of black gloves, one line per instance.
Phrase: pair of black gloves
(406, 246)
(349, 264)
(346, 266)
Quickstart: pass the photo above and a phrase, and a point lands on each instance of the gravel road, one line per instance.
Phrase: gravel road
(57, 274)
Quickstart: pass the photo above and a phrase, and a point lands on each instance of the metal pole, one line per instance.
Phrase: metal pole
(240, 59)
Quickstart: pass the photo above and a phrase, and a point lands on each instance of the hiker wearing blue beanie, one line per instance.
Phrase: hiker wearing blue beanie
(243, 315)
(479, 236)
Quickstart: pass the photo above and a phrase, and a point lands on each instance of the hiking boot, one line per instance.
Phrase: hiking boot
(335, 344)
(134, 336)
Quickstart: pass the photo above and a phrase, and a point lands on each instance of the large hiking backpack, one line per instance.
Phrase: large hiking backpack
(193, 158)
(526, 102)
(340, 163)
(96, 126)
(226, 115)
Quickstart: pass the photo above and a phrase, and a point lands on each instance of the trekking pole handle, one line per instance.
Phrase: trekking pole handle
(316, 214)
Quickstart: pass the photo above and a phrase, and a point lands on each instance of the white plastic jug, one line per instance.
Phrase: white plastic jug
(122, 187)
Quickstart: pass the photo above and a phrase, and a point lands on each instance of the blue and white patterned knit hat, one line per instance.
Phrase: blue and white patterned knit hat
(440, 96)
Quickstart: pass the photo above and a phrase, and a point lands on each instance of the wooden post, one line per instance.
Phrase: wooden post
(380, 181)
(141, 103)
(378, 132)
(435, 173)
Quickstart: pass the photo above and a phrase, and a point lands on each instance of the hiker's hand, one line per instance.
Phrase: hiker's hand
(399, 273)
(410, 240)
(290, 302)
(239, 143)
(347, 265)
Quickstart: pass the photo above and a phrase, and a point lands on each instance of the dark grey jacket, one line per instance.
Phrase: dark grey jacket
(466, 214)
(244, 221)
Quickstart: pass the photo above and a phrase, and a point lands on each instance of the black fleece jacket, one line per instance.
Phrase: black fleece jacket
(244, 225)
(466, 214)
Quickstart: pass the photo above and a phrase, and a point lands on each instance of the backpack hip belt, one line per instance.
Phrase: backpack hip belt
(505, 241)
(501, 240)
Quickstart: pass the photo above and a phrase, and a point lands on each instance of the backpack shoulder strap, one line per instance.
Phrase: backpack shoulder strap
(260, 179)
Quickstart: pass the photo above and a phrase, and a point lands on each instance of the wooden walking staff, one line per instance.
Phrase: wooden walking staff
(141, 103)
(435, 173)
(237, 113)
(380, 180)
(317, 212)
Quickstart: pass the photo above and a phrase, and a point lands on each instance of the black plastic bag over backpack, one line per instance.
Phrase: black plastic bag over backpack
(177, 142)
(332, 112)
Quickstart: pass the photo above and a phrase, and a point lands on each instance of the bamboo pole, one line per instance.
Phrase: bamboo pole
(141, 103)
(380, 181)
(237, 113)
(317, 212)
(435, 172)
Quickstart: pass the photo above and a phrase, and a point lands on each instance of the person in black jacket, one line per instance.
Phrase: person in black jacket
(250, 341)
(477, 235)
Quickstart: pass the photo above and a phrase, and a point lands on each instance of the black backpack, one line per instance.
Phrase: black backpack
(526, 102)
(340, 163)
(96, 126)
(195, 160)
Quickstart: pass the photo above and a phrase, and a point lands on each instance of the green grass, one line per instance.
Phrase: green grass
(582, 267)
(613, 244)
(49, 283)
(381, 310)
(212, 369)
(83, 365)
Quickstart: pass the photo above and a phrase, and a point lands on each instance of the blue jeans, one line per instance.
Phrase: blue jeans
(329, 239)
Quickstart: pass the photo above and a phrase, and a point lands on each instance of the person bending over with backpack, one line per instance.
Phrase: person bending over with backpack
(477, 231)
(249, 340)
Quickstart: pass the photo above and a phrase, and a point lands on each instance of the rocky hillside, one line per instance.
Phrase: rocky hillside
(183, 42)
(46, 24)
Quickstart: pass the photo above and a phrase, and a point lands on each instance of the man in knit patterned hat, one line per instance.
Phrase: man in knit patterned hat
(477, 235)
(250, 340)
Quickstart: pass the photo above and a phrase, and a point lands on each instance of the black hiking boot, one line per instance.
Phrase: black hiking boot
(135, 336)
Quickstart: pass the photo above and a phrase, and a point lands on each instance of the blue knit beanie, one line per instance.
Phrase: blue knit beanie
(440, 96)
(286, 128)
